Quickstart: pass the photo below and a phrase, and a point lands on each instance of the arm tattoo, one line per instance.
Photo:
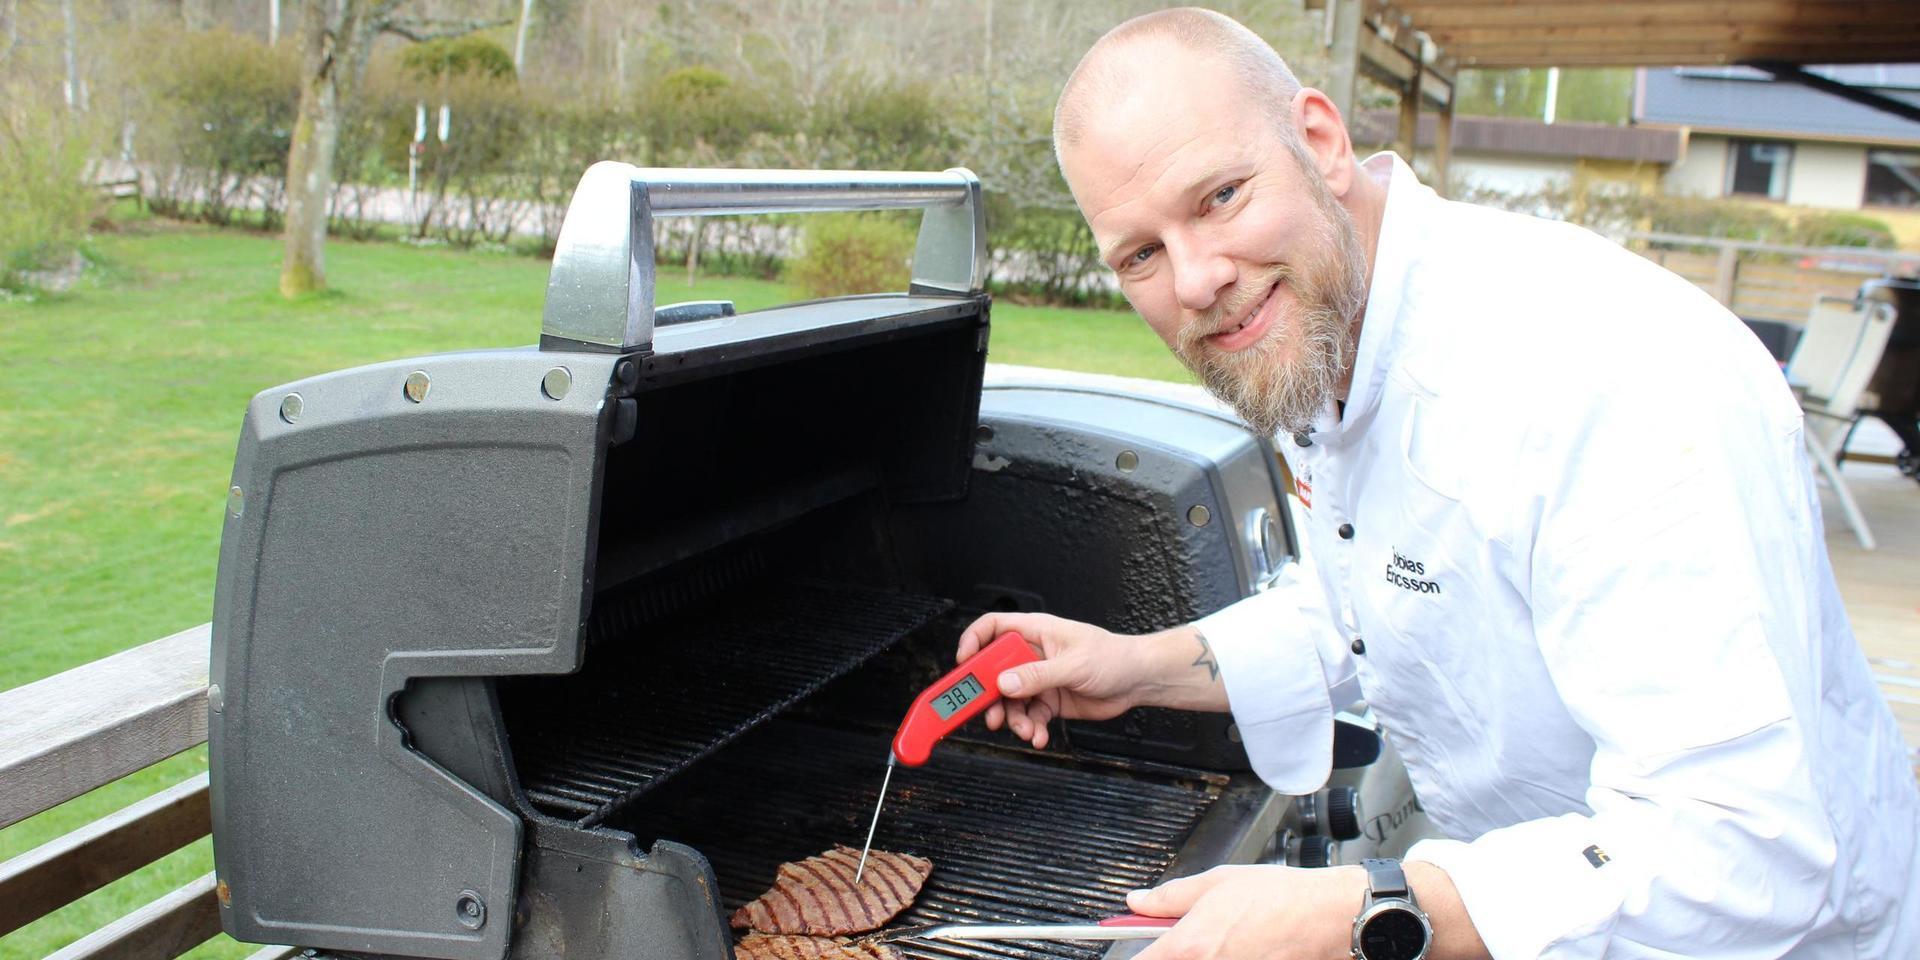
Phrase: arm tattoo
(1206, 659)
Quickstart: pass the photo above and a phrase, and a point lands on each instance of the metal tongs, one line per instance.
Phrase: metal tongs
(1126, 926)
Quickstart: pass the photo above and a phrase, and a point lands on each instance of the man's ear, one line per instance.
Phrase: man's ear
(1325, 135)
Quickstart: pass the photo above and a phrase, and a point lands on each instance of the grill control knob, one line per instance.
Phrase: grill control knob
(1276, 848)
(1343, 813)
(1335, 813)
(1311, 851)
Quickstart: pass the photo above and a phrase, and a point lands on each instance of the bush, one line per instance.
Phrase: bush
(1711, 217)
(1843, 230)
(459, 56)
(1047, 254)
(45, 200)
(852, 253)
(219, 125)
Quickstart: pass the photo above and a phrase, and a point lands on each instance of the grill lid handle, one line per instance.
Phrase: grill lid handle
(600, 293)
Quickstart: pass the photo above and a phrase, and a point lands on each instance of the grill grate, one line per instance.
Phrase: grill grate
(1013, 837)
(661, 697)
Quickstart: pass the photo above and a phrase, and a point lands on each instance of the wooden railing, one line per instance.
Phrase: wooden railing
(1762, 281)
(65, 735)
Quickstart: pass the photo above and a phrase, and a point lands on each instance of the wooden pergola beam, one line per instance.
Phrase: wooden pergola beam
(1656, 54)
(1700, 34)
(1651, 14)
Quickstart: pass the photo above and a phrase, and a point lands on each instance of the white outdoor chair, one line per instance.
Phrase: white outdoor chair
(1828, 371)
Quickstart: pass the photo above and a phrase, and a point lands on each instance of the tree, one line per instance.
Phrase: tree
(336, 39)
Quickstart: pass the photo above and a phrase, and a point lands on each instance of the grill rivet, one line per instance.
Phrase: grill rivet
(290, 407)
(417, 385)
(556, 383)
(1127, 461)
(236, 501)
(216, 700)
(470, 910)
(1199, 515)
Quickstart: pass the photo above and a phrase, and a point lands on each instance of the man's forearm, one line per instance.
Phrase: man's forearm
(1181, 671)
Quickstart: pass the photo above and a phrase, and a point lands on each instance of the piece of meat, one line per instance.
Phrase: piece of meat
(817, 896)
(783, 946)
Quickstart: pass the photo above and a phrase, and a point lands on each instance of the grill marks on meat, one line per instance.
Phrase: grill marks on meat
(777, 946)
(817, 895)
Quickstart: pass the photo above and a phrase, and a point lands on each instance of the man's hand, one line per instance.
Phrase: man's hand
(1085, 673)
(1255, 913)
(1284, 913)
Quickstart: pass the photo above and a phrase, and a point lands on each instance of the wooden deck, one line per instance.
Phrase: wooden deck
(1882, 587)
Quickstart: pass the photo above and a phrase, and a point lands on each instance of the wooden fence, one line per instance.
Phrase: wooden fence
(1761, 281)
(65, 735)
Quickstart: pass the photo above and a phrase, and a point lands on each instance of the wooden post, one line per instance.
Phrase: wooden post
(1409, 140)
(1443, 148)
(1343, 67)
(1724, 273)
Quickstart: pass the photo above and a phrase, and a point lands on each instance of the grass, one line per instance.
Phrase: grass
(120, 404)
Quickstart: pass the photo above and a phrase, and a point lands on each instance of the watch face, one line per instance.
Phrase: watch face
(1393, 935)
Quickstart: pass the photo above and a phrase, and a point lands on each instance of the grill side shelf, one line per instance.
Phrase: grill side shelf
(652, 703)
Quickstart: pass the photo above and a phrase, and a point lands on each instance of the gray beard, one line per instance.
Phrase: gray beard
(1272, 394)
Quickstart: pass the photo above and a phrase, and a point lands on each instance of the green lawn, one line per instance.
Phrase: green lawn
(120, 403)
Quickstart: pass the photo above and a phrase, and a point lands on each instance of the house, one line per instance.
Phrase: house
(1520, 157)
(1748, 136)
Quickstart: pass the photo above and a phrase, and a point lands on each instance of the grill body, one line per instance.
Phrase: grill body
(560, 651)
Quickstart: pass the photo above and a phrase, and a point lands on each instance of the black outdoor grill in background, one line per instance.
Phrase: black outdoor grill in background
(561, 651)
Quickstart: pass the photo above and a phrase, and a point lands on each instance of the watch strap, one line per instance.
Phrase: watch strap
(1385, 878)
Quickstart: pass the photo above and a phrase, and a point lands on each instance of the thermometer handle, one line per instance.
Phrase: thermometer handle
(958, 697)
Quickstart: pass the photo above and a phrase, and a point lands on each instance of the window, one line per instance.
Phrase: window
(1893, 178)
(1758, 168)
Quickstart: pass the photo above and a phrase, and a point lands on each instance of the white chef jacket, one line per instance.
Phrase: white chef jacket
(1565, 541)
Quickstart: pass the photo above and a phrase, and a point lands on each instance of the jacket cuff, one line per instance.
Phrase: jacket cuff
(1277, 685)
(1532, 887)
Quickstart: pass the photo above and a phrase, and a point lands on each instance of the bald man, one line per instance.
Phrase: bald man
(1562, 538)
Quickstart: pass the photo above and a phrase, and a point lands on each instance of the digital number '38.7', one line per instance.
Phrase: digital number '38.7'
(959, 695)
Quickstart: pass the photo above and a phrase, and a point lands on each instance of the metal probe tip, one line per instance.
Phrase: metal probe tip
(877, 804)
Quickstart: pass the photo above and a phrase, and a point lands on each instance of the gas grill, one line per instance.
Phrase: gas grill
(560, 651)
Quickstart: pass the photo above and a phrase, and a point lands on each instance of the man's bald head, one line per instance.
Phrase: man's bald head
(1108, 71)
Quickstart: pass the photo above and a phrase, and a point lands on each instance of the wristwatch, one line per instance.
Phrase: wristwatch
(1390, 926)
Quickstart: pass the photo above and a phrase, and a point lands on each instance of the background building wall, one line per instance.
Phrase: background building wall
(1702, 170)
(1832, 175)
(1511, 174)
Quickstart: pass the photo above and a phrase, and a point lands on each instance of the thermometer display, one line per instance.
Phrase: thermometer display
(949, 701)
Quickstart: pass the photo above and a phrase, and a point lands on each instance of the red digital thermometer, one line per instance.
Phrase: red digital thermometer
(958, 697)
(942, 708)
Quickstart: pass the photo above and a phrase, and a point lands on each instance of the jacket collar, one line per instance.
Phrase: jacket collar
(1407, 201)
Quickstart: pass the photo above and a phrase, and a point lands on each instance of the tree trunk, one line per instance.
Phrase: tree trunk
(335, 38)
(693, 250)
(309, 182)
(74, 98)
(520, 37)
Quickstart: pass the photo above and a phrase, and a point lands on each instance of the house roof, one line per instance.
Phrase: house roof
(1742, 100)
(1568, 33)
(1526, 137)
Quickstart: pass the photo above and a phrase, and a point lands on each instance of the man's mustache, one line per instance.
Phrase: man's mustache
(1230, 308)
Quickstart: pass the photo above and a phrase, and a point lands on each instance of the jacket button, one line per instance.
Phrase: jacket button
(1346, 531)
(1359, 647)
(1300, 439)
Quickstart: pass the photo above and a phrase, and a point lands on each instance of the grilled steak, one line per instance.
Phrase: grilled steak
(817, 895)
(780, 946)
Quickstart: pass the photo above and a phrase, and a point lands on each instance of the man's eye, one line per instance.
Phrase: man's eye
(1142, 255)
(1225, 195)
